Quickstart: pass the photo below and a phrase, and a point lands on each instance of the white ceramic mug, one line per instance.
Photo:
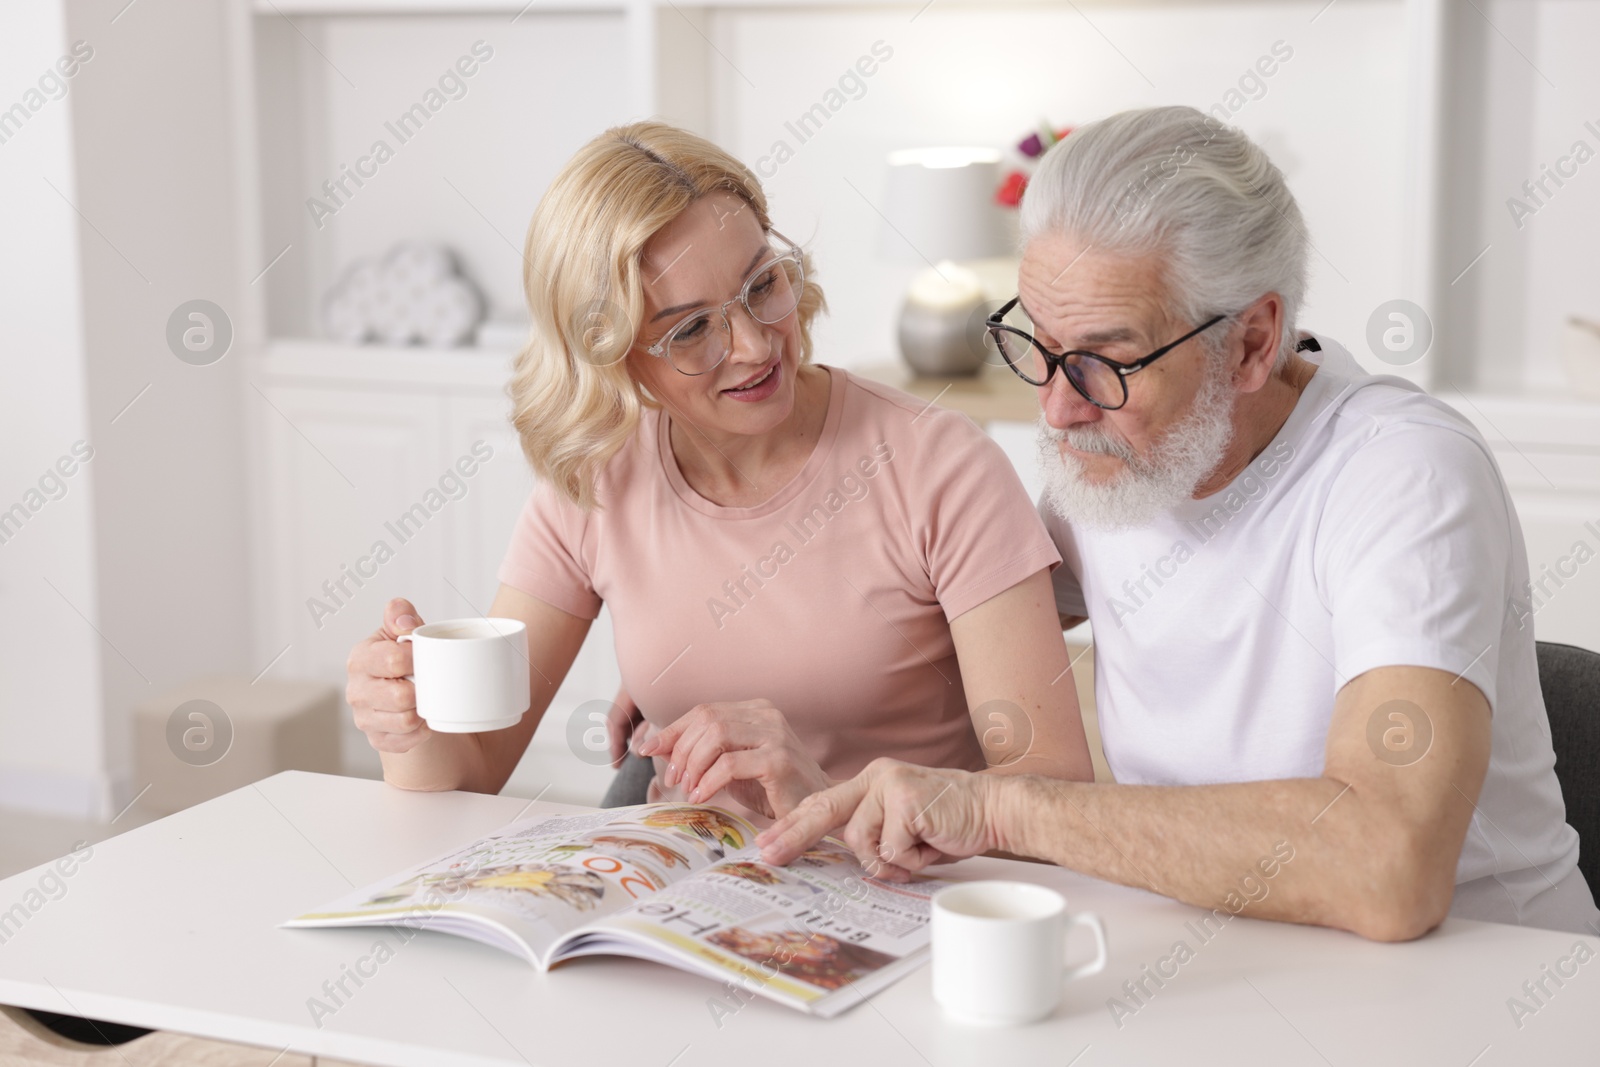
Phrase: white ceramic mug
(471, 674)
(999, 951)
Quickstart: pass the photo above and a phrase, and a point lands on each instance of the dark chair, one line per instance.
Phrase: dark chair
(631, 783)
(1570, 680)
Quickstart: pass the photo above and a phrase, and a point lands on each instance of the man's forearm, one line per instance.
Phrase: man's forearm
(1303, 850)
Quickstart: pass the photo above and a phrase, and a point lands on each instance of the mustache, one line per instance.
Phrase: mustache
(1088, 439)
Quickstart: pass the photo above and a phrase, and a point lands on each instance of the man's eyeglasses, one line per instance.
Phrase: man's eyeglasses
(1102, 382)
(703, 338)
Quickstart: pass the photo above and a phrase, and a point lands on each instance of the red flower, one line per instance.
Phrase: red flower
(1010, 192)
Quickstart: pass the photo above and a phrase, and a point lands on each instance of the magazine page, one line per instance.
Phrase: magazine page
(531, 882)
(818, 934)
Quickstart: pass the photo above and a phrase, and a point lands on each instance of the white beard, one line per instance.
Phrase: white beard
(1148, 485)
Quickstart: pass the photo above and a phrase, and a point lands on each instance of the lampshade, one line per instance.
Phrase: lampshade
(940, 205)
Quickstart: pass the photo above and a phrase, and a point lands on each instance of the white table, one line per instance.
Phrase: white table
(172, 926)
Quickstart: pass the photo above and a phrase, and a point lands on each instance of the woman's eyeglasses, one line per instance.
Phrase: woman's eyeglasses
(702, 339)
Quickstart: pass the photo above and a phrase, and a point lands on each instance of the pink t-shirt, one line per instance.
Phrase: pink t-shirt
(832, 599)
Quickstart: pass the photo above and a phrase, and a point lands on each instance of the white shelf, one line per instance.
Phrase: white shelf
(1547, 446)
(1534, 419)
(433, 7)
(545, 7)
(467, 369)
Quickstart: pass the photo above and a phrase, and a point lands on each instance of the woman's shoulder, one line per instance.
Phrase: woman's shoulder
(616, 486)
(938, 435)
(635, 464)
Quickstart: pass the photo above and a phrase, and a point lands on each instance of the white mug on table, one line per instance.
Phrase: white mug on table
(471, 674)
(999, 951)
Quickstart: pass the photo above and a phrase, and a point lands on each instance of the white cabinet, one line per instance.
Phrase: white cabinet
(1549, 451)
(1563, 535)
(345, 470)
(481, 522)
(476, 537)
(383, 473)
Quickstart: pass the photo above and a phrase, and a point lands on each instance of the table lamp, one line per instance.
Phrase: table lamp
(940, 209)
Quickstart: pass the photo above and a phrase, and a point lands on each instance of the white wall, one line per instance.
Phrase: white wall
(150, 542)
(1529, 85)
(469, 178)
(52, 751)
(1564, 237)
(1332, 116)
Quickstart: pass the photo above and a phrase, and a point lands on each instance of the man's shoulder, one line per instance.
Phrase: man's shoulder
(1401, 460)
(1388, 420)
(1381, 420)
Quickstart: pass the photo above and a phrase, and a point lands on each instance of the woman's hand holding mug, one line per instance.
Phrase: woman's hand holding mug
(463, 676)
(378, 685)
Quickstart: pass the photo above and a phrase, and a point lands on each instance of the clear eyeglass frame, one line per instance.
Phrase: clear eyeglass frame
(792, 254)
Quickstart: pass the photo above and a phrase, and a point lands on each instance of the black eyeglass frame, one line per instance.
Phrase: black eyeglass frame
(1052, 360)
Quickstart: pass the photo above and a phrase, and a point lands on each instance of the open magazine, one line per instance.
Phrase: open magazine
(679, 884)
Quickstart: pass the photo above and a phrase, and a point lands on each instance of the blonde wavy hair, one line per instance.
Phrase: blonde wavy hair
(574, 403)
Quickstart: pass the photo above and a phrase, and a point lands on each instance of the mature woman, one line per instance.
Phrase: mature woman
(805, 570)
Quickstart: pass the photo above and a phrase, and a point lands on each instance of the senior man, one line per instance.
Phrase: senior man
(1316, 694)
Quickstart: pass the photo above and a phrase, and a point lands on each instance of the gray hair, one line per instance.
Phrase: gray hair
(1175, 182)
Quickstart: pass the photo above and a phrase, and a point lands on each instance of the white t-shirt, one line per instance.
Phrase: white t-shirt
(1374, 530)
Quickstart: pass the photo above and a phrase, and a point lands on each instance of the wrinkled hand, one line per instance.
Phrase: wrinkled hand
(897, 818)
(746, 747)
(385, 704)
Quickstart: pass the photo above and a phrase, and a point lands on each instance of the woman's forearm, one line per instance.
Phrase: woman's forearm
(1019, 684)
(1069, 767)
(442, 762)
